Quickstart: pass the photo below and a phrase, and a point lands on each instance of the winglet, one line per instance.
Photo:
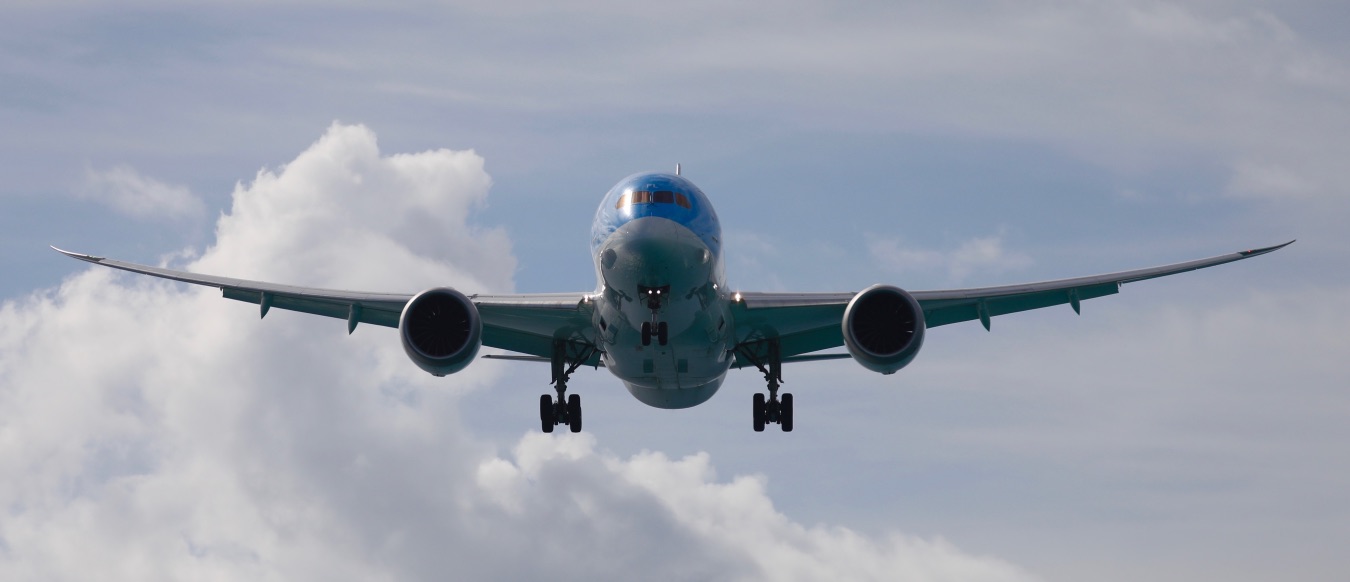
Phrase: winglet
(82, 257)
(1263, 251)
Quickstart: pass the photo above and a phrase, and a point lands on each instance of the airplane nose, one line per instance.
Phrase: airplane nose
(655, 251)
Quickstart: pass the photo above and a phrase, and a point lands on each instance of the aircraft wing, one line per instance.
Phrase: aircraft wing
(520, 323)
(807, 322)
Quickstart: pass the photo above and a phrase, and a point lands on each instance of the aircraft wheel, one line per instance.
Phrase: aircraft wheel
(574, 412)
(646, 333)
(662, 333)
(547, 418)
(759, 412)
(785, 413)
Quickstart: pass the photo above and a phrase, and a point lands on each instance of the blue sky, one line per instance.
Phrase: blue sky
(1188, 426)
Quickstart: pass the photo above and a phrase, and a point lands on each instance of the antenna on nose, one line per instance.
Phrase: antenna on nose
(677, 168)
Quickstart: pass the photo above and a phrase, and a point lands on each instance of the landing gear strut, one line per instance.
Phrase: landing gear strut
(770, 410)
(566, 409)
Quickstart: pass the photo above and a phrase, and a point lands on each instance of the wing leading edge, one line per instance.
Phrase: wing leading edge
(528, 323)
(802, 322)
(807, 322)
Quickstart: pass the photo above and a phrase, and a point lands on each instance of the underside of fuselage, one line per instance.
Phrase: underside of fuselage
(675, 398)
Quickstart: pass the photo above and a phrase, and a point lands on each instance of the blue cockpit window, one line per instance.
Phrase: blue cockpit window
(657, 197)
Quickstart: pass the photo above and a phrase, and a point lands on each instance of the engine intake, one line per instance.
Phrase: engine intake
(441, 330)
(883, 328)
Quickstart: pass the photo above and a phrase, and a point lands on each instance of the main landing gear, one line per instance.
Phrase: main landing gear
(772, 409)
(654, 329)
(566, 409)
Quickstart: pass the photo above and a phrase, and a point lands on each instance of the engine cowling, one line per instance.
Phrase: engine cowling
(883, 328)
(441, 330)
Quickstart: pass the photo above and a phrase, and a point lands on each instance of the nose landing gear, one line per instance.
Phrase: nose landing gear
(659, 330)
(654, 328)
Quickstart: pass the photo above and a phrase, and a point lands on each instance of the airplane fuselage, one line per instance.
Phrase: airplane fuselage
(657, 247)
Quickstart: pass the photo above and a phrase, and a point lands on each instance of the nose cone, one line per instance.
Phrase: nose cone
(654, 252)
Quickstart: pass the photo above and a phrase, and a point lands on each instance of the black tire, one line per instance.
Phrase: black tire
(785, 413)
(646, 333)
(574, 412)
(547, 418)
(662, 333)
(759, 412)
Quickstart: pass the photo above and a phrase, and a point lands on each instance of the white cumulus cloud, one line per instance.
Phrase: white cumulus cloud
(151, 431)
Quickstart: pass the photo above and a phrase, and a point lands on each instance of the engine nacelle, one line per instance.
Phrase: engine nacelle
(883, 328)
(441, 330)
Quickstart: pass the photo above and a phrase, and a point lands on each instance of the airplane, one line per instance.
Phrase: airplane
(662, 318)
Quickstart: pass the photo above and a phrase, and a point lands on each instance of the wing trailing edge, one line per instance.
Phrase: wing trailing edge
(525, 323)
(808, 322)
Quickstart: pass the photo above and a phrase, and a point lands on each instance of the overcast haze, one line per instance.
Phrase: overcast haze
(1189, 427)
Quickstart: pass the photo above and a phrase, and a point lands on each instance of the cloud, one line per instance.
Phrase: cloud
(150, 431)
(1183, 420)
(403, 219)
(981, 254)
(1254, 180)
(129, 192)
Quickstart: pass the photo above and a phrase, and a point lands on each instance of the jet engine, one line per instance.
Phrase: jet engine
(883, 328)
(441, 330)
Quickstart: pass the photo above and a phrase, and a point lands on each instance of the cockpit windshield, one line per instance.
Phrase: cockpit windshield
(649, 196)
(652, 197)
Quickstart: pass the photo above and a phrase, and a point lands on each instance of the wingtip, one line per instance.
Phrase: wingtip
(1262, 251)
(74, 255)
